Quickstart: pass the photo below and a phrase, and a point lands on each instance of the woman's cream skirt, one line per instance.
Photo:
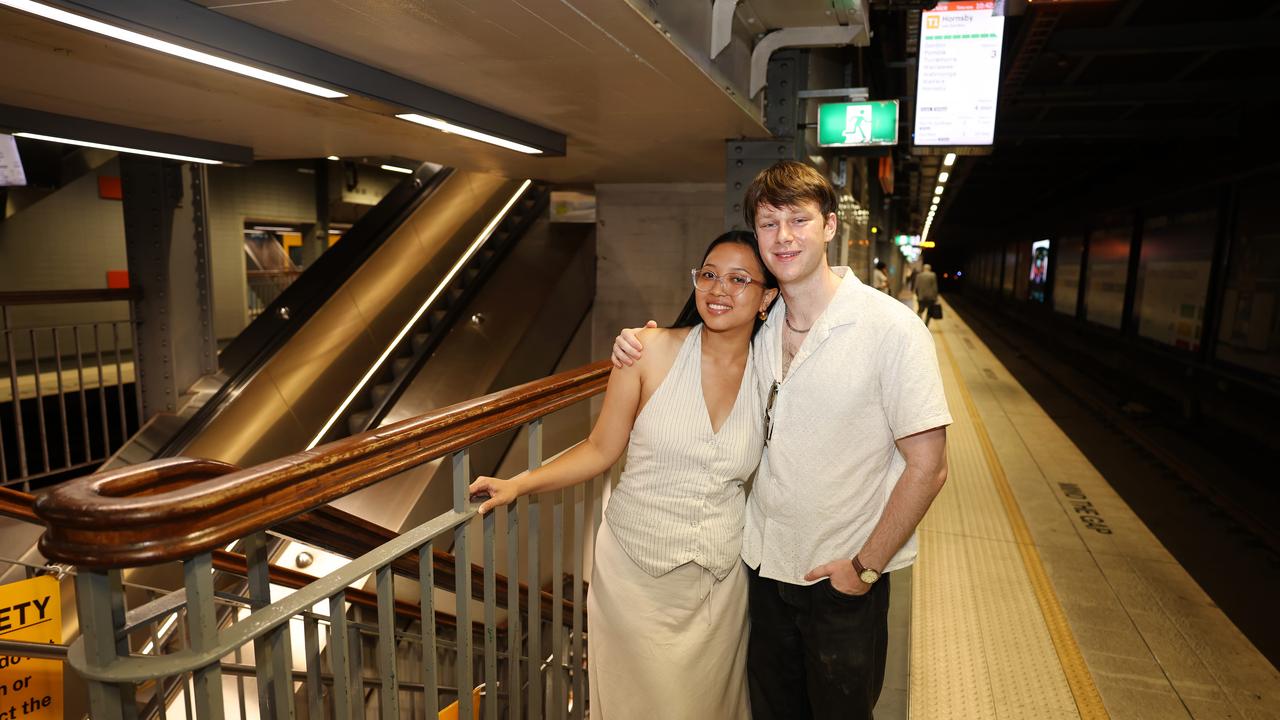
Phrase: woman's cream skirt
(670, 647)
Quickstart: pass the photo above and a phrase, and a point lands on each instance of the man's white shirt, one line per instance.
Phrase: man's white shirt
(866, 375)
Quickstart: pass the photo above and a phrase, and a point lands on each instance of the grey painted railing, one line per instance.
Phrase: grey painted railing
(206, 650)
(65, 383)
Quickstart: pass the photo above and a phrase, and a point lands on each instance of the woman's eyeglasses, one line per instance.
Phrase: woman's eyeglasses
(733, 283)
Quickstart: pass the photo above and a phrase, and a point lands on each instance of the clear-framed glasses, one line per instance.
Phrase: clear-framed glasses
(768, 412)
(734, 284)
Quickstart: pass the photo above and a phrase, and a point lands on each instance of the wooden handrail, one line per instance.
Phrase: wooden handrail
(156, 512)
(53, 297)
(17, 505)
(358, 536)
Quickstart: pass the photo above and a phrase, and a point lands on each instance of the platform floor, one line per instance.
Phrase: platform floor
(1038, 592)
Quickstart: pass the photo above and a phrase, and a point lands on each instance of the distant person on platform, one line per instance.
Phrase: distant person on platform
(880, 278)
(854, 426)
(926, 292)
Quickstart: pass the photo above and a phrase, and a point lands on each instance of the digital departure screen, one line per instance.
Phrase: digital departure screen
(959, 74)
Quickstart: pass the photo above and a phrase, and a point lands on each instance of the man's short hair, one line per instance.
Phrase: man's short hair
(788, 183)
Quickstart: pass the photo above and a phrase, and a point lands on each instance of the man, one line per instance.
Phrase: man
(880, 278)
(926, 292)
(856, 451)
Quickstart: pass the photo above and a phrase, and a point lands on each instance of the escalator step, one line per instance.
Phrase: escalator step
(379, 392)
(435, 319)
(455, 294)
(471, 274)
(420, 340)
(356, 421)
(401, 365)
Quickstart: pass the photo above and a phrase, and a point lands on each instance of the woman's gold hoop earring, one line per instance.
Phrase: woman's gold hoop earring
(763, 316)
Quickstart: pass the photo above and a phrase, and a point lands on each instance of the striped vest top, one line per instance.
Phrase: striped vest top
(681, 497)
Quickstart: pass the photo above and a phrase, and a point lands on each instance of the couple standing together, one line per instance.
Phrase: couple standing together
(832, 398)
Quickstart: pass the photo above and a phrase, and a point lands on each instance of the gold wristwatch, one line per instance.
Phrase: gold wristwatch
(866, 574)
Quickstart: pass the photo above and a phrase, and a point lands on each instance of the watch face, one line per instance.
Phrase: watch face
(869, 576)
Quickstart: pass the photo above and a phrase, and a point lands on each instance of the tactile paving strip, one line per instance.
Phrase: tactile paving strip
(989, 639)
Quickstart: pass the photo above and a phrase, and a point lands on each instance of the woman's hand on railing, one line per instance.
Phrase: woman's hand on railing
(498, 491)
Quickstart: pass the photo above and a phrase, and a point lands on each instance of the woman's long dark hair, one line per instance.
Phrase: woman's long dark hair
(689, 315)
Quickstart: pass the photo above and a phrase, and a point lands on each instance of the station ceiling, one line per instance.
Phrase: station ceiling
(632, 105)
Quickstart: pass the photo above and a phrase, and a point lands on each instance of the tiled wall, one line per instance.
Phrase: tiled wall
(648, 236)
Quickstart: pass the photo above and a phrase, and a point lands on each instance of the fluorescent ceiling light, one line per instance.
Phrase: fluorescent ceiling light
(395, 168)
(937, 199)
(274, 228)
(937, 190)
(943, 176)
(84, 23)
(448, 127)
(335, 158)
(949, 160)
(117, 148)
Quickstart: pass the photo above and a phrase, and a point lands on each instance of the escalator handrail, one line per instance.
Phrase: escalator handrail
(248, 352)
(149, 513)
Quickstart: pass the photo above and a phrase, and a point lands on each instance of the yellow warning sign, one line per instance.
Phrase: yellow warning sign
(30, 611)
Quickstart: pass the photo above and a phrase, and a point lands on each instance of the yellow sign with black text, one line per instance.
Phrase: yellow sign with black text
(30, 611)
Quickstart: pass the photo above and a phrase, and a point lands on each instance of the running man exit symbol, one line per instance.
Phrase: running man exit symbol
(857, 124)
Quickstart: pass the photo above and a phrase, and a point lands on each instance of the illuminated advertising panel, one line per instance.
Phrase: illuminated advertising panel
(1039, 277)
(959, 74)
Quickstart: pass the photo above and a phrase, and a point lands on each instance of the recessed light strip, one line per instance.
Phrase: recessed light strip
(117, 148)
(129, 36)
(448, 278)
(448, 127)
(396, 168)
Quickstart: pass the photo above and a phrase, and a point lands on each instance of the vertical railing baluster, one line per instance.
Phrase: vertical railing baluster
(512, 533)
(10, 361)
(202, 631)
(427, 603)
(356, 653)
(581, 499)
(489, 525)
(100, 607)
(241, 701)
(272, 652)
(102, 394)
(533, 506)
(35, 376)
(84, 404)
(339, 663)
(389, 690)
(18, 432)
(311, 647)
(137, 378)
(124, 419)
(557, 605)
(462, 582)
(62, 398)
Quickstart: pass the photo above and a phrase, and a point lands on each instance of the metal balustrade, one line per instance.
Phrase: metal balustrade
(65, 387)
(221, 647)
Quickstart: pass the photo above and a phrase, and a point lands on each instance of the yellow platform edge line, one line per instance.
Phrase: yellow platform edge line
(1079, 679)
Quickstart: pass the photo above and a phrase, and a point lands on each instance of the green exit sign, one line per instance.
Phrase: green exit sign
(858, 124)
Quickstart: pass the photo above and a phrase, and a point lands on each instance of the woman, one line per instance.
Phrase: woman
(668, 595)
